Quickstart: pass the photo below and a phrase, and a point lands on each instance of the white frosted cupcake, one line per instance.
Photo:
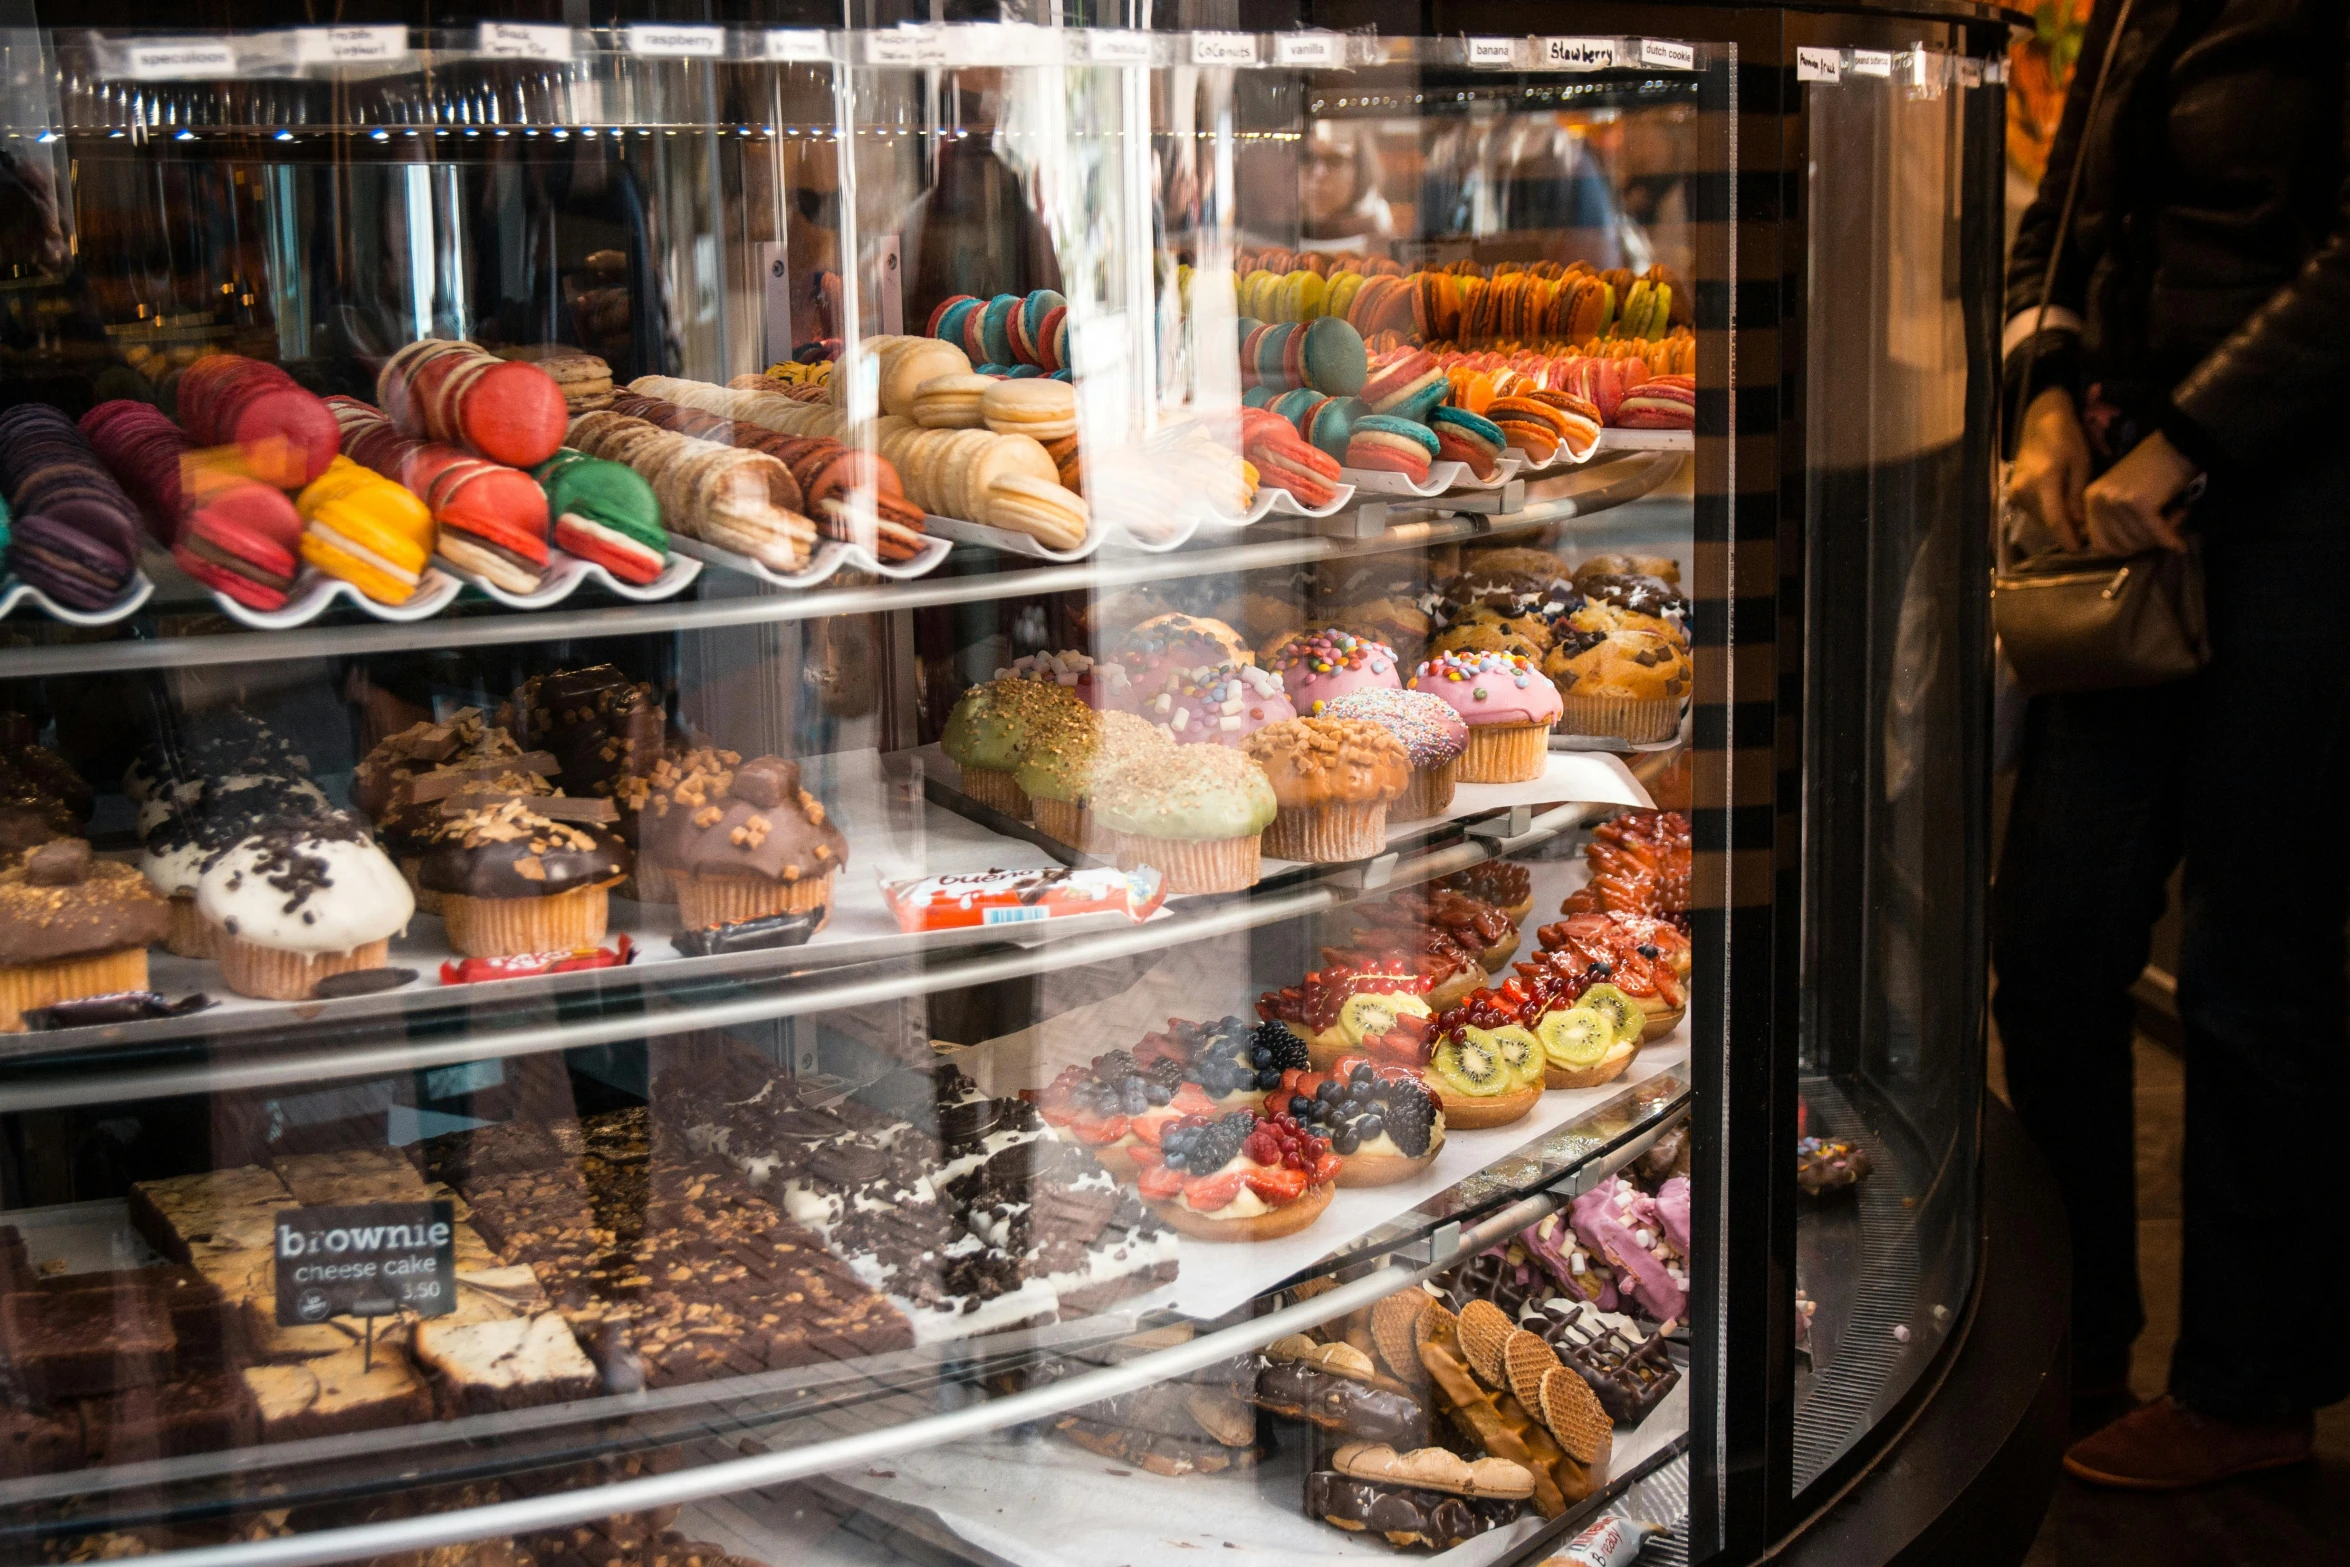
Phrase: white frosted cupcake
(298, 900)
(183, 826)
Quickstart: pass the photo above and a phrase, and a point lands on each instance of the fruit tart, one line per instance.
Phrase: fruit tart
(1118, 1104)
(1634, 955)
(1382, 1121)
(1508, 887)
(1430, 951)
(1470, 924)
(1237, 1176)
(1640, 864)
(1341, 1005)
(1235, 1062)
(1486, 1066)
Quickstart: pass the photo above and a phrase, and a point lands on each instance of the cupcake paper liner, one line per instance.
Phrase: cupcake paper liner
(190, 935)
(996, 790)
(1428, 794)
(1639, 719)
(1504, 753)
(509, 927)
(1067, 822)
(1325, 834)
(1209, 865)
(274, 974)
(707, 902)
(24, 986)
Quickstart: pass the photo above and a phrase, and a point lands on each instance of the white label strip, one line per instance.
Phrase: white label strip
(523, 41)
(675, 41)
(1118, 46)
(1872, 62)
(1001, 43)
(1492, 52)
(906, 46)
(170, 58)
(1970, 71)
(796, 45)
(348, 45)
(1308, 49)
(1665, 55)
(1223, 48)
(1578, 54)
(1818, 65)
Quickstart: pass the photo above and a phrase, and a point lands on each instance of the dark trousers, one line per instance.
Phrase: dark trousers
(2244, 771)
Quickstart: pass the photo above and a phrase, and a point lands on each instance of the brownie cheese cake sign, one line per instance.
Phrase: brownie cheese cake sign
(366, 1260)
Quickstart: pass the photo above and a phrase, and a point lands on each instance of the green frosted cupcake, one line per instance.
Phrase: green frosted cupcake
(988, 731)
(1068, 754)
(1194, 813)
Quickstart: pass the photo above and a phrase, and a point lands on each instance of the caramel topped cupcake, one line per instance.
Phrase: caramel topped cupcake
(691, 778)
(72, 926)
(760, 845)
(1333, 778)
(526, 875)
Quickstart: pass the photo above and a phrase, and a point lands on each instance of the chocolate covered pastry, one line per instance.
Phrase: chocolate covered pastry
(1159, 1453)
(602, 726)
(1629, 1370)
(752, 847)
(1827, 1164)
(1334, 1387)
(1405, 1515)
(72, 926)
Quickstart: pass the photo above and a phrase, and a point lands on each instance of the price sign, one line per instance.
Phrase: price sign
(366, 1260)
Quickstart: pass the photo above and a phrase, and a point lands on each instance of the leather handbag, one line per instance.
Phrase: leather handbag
(2087, 622)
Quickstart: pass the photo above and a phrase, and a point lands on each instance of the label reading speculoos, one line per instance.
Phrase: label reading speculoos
(366, 1260)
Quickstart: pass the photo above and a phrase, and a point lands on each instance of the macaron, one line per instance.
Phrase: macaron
(1272, 355)
(366, 530)
(1334, 360)
(1384, 443)
(241, 549)
(1400, 378)
(284, 432)
(77, 563)
(605, 512)
(995, 329)
(1532, 426)
(1032, 338)
(1258, 395)
(943, 311)
(1052, 341)
(508, 411)
(1331, 424)
(1043, 409)
(1297, 406)
(1464, 437)
(492, 519)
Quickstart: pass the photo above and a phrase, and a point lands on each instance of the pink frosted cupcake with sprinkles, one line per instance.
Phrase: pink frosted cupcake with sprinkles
(1097, 684)
(1322, 666)
(1509, 706)
(1433, 736)
(1221, 704)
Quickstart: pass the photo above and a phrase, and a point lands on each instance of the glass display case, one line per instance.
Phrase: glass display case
(986, 788)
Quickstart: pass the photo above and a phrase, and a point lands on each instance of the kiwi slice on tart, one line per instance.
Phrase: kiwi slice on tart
(1520, 1052)
(1629, 1017)
(1581, 1036)
(1469, 1062)
(1368, 1015)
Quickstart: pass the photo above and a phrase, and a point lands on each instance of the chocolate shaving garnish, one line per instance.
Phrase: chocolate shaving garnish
(362, 982)
(121, 1006)
(442, 782)
(759, 935)
(767, 782)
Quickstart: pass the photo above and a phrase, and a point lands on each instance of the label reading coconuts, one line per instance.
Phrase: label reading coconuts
(366, 1260)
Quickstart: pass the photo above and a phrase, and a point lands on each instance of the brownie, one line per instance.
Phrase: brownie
(203, 1320)
(73, 1345)
(16, 1263)
(338, 1393)
(37, 1442)
(205, 1414)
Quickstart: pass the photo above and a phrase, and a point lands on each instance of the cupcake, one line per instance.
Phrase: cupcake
(1195, 814)
(1508, 706)
(1627, 684)
(1333, 779)
(689, 778)
(1481, 636)
(985, 733)
(1223, 703)
(298, 899)
(1323, 665)
(427, 800)
(72, 926)
(762, 847)
(380, 782)
(600, 726)
(1091, 681)
(184, 827)
(1067, 756)
(1433, 738)
(514, 879)
(1163, 647)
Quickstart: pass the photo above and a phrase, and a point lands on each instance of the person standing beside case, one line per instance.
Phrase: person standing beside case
(2187, 325)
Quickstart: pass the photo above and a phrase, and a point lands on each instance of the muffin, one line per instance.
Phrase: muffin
(72, 926)
(985, 732)
(1222, 703)
(1392, 619)
(1465, 594)
(514, 879)
(1433, 738)
(762, 846)
(183, 828)
(298, 899)
(1323, 665)
(1628, 684)
(1333, 779)
(690, 777)
(1091, 681)
(1195, 814)
(1161, 649)
(1484, 636)
(425, 802)
(1662, 567)
(1508, 706)
(1066, 758)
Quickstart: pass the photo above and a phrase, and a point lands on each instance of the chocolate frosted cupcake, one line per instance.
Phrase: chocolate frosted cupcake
(381, 781)
(516, 876)
(689, 778)
(417, 780)
(299, 899)
(601, 726)
(1333, 778)
(72, 926)
(761, 846)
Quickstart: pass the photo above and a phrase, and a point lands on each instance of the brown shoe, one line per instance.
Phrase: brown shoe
(2165, 1446)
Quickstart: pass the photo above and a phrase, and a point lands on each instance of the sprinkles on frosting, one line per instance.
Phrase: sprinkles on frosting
(1328, 652)
(1431, 732)
(1071, 669)
(1515, 668)
(1219, 702)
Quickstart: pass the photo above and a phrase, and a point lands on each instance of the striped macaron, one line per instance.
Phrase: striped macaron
(1384, 442)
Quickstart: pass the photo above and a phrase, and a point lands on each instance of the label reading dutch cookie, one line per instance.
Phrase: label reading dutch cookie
(366, 1260)
(1665, 55)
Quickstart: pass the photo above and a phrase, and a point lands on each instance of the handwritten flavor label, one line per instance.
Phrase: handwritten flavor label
(1493, 52)
(348, 45)
(1223, 48)
(1970, 71)
(1662, 54)
(906, 46)
(1579, 54)
(1818, 65)
(1872, 62)
(366, 1260)
(523, 41)
(1118, 46)
(1308, 49)
(669, 41)
(795, 45)
(168, 59)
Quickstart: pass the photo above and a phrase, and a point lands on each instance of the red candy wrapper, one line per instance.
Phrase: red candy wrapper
(1611, 1542)
(1015, 897)
(467, 970)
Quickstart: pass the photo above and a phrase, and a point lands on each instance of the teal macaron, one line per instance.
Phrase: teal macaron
(1270, 349)
(1258, 396)
(1390, 424)
(1474, 425)
(1033, 310)
(995, 329)
(1332, 424)
(1424, 402)
(1297, 406)
(1335, 360)
(951, 319)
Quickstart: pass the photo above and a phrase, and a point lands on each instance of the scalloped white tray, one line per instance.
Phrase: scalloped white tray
(315, 593)
(567, 573)
(15, 591)
(1443, 478)
(926, 560)
(828, 557)
(1012, 543)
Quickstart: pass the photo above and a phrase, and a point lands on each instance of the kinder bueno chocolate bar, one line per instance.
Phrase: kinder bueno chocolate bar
(1013, 897)
(1611, 1542)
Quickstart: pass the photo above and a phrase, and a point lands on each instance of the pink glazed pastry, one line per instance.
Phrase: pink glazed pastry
(1224, 703)
(1165, 647)
(1509, 706)
(1097, 685)
(1322, 666)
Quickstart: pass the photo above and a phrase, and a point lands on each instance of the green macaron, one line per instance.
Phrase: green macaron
(1335, 360)
(610, 494)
